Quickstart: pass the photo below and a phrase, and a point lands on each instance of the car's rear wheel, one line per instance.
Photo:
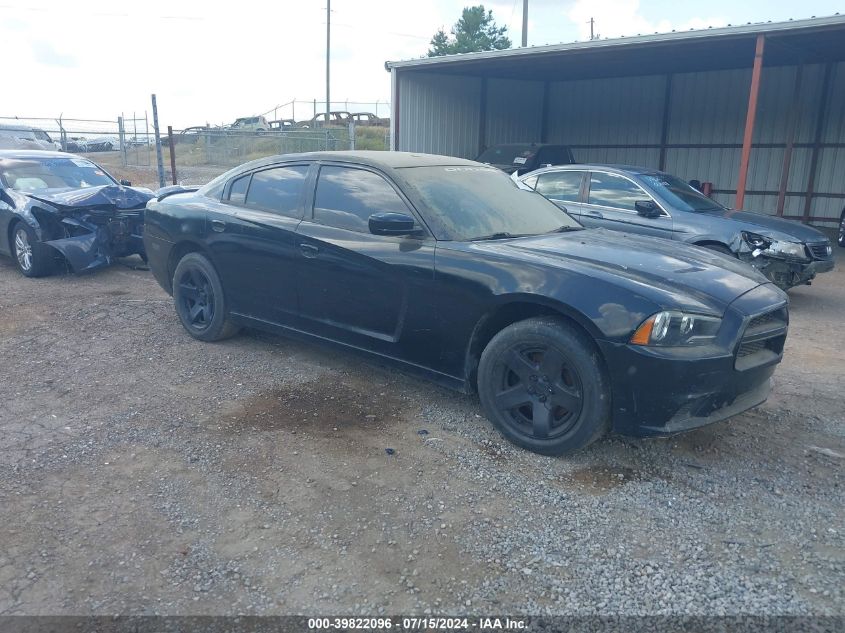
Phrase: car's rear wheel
(32, 258)
(841, 239)
(543, 385)
(200, 300)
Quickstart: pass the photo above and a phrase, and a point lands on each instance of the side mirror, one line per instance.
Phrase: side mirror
(389, 223)
(647, 208)
(125, 183)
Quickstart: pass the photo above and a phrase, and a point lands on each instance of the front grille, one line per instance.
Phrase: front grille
(747, 349)
(763, 339)
(819, 250)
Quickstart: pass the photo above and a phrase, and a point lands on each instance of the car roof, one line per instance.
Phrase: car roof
(631, 170)
(33, 153)
(371, 158)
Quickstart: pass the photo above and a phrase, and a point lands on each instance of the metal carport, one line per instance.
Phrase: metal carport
(758, 109)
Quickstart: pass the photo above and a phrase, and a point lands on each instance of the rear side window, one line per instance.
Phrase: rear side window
(237, 192)
(278, 190)
(563, 186)
(346, 198)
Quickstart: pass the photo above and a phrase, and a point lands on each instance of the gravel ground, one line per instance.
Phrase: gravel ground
(143, 472)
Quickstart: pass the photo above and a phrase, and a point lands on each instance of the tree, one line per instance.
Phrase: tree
(475, 31)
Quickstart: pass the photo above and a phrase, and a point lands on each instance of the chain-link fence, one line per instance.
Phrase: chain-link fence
(126, 146)
(131, 137)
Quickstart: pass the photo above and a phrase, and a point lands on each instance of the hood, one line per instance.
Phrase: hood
(768, 225)
(683, 275)
(115, 196)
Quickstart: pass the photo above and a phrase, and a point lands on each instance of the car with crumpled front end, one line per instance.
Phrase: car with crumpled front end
(60, 208)
(443, 267)
(652, 202)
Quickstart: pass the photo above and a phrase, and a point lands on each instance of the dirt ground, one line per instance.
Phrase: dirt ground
(144, 472)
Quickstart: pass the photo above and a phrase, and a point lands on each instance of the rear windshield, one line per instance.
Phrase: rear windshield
(52, 173)
(466, 203)
(507, 154)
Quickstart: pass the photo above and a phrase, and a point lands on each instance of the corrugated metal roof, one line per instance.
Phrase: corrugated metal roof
(755, 28)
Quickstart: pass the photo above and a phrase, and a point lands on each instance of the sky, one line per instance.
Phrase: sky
(213, 62)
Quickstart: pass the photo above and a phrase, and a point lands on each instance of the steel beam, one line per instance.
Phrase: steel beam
(664, 131)
(794, 113)
(751, 114)
(821, 115)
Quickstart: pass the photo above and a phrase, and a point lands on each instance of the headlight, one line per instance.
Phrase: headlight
(790, 249)
(677, 329)
(756, 241)
(761, 245)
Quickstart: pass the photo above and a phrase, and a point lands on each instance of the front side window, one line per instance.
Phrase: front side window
(563, 186)
(346, 198)
(278, 190)
(616, 192)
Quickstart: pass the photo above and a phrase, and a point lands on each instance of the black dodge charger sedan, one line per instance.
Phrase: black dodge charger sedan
(443, 266)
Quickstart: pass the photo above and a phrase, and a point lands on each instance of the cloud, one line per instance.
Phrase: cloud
(45, 53)
(614, 18)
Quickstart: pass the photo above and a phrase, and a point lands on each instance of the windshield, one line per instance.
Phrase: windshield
(476, 202)
(52, 173)
(679, 194)
(507, 154)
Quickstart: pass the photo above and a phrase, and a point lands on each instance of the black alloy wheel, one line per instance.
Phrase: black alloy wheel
(543, 385)
(200, 300)
(540, 391)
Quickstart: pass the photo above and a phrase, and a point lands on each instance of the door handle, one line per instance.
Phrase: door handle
(595, 214)
(218, 225)
(308, 250)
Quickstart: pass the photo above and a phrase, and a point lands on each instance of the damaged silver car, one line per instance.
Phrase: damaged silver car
(59, 208)
(651, 202)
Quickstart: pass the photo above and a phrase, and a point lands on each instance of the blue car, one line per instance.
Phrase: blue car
(651, 202)
(60, 209)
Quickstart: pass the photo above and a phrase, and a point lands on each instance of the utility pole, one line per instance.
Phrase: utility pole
(524, 23)
(328, 57)
(592, 35)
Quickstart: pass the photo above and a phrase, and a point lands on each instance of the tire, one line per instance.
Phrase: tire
(32, 258)
(719, 249)
(841, 237)
(543, 386)
(200, 301)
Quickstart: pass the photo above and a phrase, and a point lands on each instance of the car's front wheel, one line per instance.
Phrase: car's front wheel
(841, 238)
(542, 384)
(32, 258)
(718, 248)
(200, 300)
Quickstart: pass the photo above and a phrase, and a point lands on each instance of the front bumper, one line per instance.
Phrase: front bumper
(667, 391)
(786, 273)
(663, 396)
(89, 245)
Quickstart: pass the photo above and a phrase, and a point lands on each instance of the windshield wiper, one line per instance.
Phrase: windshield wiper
(497, 236)
(566, 229)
